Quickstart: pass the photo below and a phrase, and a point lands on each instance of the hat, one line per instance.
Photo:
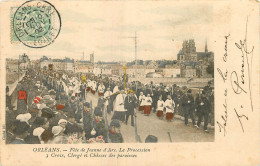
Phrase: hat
(59, 106)
(56, 130)
(24, 117)
(115, 123)
(44, 92)
(73, 129)
(47, 97)
(151, 139)
(62, 121)
(21, 127)
(46, 135)
(98, 111)
(39, 121)
(52, 92)
(131, 91)
(189, 91)
(37, 99)
(47, 113)
(38, 131)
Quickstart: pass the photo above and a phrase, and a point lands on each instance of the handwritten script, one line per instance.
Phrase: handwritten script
(240, 81)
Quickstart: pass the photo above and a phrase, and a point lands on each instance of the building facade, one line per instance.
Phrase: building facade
(192, 63)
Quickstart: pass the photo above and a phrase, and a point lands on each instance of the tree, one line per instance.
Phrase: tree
(210, 69)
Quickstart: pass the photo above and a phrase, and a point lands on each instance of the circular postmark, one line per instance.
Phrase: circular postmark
(36, 23)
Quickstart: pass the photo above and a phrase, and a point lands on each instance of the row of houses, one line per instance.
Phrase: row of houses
(189, 64)
(138, 71)
(18, 65)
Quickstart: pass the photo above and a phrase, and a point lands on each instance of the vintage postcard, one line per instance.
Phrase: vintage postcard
(129, 83)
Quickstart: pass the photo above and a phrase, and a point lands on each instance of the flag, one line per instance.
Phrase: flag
(22, 96)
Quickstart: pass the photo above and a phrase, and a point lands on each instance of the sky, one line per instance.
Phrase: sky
(105, 28)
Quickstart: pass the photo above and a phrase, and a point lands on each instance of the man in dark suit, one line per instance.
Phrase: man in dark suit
(188, 107)
(95, 127)
(203, 107)
(130, 105)
(114, 133)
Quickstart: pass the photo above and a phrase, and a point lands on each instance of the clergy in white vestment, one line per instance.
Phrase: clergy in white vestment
(93, 87)
(101, 89)
(160, 107)
(141, 101)
(147, 104)
(119, 107)
(169, 105)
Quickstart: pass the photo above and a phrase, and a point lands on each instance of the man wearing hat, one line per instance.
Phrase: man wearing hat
(74, 133)
(114, 133)
(96, 127)
(188, 107)
(79, 110)
(130, 105)
(21, 132)
(47, 113)
(208, 88)
(73, 104)
(203, 108)
(101, 101)
(87, 117)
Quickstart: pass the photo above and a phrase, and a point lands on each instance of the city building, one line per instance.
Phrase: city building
(24, 62)
(189, 69)
(11, 65)
(115, 68)
(171, 71)
(66, 64)
(153, 75)
(102, 70)
(193, 63)
(58, 64)
(69, 64)
(84, 69)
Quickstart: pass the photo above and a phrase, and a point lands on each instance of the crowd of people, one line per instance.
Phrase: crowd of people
(52, 108)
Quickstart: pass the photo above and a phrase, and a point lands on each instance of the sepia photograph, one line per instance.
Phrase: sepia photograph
(131, 90)
(129, 83)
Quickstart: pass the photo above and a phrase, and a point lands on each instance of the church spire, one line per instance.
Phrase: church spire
(206, 46)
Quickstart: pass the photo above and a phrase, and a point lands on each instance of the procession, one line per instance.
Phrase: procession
(58, 108)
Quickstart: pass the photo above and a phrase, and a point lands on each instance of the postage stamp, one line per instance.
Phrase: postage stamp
(36, 24)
